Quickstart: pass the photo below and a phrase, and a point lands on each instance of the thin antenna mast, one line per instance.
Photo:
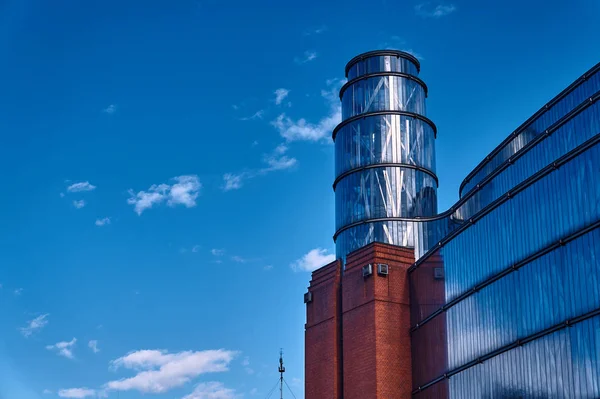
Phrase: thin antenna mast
(281, 371)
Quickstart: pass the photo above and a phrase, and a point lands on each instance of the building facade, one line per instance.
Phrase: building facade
(498, 296)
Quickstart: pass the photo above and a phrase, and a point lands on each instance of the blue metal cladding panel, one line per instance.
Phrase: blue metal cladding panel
(565, 364)
(556, 286)
(558, 204)
(561, 283)
(581, 93)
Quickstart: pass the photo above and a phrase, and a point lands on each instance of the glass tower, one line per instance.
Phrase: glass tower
(385, 153)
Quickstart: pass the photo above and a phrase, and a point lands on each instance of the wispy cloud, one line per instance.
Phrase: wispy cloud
(268, 267)
(257, 115)
(47, 392)
(18, 291)
(315, 31)
(102, 222)
(34, 325)
(184, 191)
(301, 129)
(313, 260)
(280, 95)
(158, 371)
(217, 252)
(81, 186)
(239, 259)
(77, 393)
(79, 204)
(93, 345)
(195, 248)
(111, 109)
(246, 364)
(431, 10)
(306, 57)
(233, 181)
(63, 348)
(211, 390)
(276, 160)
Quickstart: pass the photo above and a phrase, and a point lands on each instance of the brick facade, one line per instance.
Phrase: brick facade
(357, 330)
(323, 354)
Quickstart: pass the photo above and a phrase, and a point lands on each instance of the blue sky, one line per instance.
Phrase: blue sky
(168, 169)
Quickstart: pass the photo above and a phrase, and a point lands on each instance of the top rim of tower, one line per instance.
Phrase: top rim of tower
(375, 53)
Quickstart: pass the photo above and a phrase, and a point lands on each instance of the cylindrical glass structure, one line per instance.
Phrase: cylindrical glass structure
(384, 153)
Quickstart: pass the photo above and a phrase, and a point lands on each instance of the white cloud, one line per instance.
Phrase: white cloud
(34, 325)
(184, 191)
(76, 393)
(102, 222)
(233, 181)
(238, 259)
(280, 95)
(306, 57)
(64, 348)
(278, 163)
(211, 390)
(268, 267)
(296, 130)
(195, 248)
(111, 109)
(81, 186)
(257, 115)
(79, 204)
(313, 260)
(159, 371)
(18, 291)
(217, 252)
(93, 345)
(428, 10)
(47, 392)
(276, 160)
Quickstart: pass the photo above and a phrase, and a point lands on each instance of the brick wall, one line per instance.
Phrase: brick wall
(369, 352)
(322, 366)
